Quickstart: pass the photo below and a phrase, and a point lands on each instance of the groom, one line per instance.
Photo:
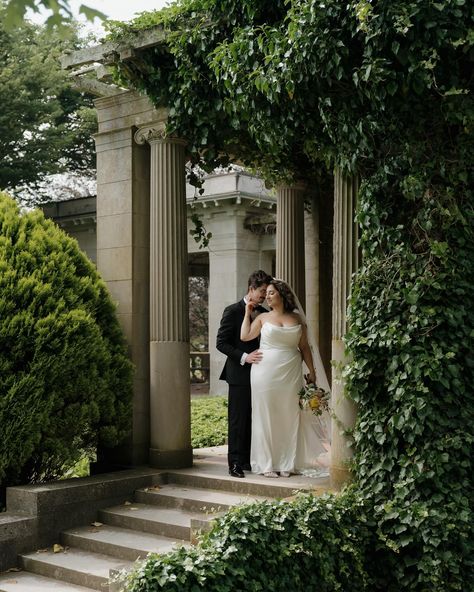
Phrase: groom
(236, 372)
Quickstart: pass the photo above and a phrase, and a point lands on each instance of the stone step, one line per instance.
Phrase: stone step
(193, 499)
(170, 511)
(122, 543)
(168, 522)
(22, 581)
(74, 566)
(253, 485)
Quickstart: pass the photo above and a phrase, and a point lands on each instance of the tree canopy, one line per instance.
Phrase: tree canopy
(46, 126)
(59, 13)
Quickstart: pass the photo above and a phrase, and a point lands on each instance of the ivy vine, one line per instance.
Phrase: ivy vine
(382, 88)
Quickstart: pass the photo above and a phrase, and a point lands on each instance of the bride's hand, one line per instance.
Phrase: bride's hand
(310, 378)
(249, 308)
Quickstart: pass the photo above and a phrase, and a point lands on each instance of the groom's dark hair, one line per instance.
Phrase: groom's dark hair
(258, 278)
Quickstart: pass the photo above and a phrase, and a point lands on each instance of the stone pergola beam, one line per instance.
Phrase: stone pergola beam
(96, 88)
(100, 53)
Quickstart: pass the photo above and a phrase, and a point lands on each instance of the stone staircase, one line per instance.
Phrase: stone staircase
(155, 519)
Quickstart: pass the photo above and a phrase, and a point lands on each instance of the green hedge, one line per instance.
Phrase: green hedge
(208, 421)
(65, 378)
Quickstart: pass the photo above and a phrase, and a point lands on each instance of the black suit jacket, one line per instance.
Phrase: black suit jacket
(229, 343)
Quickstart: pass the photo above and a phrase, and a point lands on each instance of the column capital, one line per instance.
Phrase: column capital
(156, 133)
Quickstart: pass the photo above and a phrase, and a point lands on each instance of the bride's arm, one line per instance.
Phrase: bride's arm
(249, 330)
(307, 355)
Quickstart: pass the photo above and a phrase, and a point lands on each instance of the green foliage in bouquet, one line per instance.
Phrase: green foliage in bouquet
(65, 379)
(314, 399)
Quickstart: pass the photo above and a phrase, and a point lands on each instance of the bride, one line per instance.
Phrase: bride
(285, 439)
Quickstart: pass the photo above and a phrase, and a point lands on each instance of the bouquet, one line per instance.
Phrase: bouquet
(314, 399)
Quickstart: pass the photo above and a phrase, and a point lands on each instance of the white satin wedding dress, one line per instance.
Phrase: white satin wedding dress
(284, 438)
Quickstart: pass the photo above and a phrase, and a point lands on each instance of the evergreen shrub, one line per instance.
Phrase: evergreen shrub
(65, 378)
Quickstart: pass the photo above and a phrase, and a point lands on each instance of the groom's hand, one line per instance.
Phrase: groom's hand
(254, 357)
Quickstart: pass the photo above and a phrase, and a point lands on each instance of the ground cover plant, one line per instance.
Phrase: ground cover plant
(208, 421)
(270, 546)
(65, 377)
(382, 90)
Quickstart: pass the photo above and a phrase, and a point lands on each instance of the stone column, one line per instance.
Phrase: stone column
(290, 261)
(123, 170)
(170, 424)
(325, 240)
(311, 233)
(345, 263)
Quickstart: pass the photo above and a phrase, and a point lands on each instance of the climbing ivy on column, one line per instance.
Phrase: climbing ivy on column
(383, 89)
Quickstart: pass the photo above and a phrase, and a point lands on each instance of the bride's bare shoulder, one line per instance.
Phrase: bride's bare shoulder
(266, 317)
(295, 316)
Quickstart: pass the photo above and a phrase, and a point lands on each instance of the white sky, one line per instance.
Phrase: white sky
(118, 10)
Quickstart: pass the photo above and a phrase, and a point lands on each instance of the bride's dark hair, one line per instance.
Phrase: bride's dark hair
(286, 294)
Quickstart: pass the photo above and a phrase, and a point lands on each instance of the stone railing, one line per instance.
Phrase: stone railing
(199, 367)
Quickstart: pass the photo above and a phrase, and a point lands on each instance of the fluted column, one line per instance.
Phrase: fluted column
(290, 261)
(170, 425)
(345, 263)
(311, 232)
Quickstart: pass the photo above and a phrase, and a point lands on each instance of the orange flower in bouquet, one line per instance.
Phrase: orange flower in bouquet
(314, 399)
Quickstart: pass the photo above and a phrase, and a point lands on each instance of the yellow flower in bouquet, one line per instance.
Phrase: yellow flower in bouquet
(314, 399)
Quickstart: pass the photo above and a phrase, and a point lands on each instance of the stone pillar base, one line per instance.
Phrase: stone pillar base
(125, 455)
(170, 405)
(344, 411)
(339, 476)
(171, 459)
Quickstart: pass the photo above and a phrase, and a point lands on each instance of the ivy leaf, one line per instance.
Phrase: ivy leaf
(91, 13)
